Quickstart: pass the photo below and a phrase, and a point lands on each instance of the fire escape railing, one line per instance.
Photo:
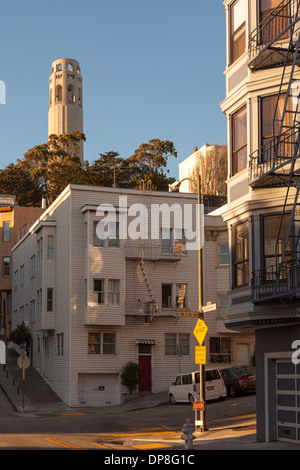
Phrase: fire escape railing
(276, 156)
(276, 26)
(267, 285)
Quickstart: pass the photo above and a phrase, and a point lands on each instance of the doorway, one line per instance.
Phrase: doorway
(145, 360)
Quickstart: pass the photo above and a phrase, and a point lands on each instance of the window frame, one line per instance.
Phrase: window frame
(97, 348)
(235, 151)
(244, 262)
(237, 35)
(50, 299)
(100, 292)
(227, 254)
(6, 267)
(6, 235)
(114, 296)
(177, 344)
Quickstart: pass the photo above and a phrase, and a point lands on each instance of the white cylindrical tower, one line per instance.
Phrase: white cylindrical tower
(65, 99)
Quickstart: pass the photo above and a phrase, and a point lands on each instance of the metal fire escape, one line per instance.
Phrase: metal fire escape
(151, 308)
(276, 43)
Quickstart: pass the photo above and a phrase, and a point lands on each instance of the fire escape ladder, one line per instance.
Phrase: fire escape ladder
(151, 307)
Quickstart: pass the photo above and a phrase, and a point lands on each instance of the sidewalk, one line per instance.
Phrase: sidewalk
(38, 398)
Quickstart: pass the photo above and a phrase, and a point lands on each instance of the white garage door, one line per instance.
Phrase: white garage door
(98, 389)
(287, 401)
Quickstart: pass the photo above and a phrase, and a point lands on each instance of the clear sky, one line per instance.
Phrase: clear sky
(151, 69)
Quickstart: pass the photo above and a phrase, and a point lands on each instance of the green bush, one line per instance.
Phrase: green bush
(131, 376)
(20, 334)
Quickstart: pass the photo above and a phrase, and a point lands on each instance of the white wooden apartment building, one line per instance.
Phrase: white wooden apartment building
(93, 305)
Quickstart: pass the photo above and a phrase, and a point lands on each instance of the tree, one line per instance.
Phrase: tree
(54, 165)
(17, 180)
(131, 376)
(149, 162)
(110, 170)
(20, 334)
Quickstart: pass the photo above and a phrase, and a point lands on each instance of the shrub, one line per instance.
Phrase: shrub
(131, 376)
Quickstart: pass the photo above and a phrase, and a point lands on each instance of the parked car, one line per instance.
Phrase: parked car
(186, 387)
(239, 379)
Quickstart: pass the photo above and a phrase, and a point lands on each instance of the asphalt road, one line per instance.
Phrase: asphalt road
(107, 430)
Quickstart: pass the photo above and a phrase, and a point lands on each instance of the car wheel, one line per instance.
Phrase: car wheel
(231, 391)
(172, 399)
(191, 399)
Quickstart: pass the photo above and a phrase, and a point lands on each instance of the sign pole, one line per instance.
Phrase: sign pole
(203, 426)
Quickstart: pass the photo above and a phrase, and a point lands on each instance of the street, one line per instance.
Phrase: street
(111, 428)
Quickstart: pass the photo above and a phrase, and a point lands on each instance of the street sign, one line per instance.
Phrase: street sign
(200, 355)
(23, 361)
(209, 308)
(200, 331)
(185, 314)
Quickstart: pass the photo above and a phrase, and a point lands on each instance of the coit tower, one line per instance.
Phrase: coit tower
(65, 99)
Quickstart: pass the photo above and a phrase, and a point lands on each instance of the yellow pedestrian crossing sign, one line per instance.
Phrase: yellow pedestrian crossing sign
(200, 331)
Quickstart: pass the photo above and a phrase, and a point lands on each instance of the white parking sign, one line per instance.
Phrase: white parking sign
(2, 353)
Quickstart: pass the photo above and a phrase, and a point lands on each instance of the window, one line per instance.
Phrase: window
(40, 248)
(272, 109)
(32, 266)
(180, 241)
(271, 225)
(239, 140)
(16, 280)
(32, 311)
(50, 246)
(109, 343)
(58, 93)
(102, 343)
(276, 23)
(166, 301)
(5, 266)
(223, 305)
(99, 289)
(220, 350)
(223, 254)
(238, 29)
(22, 275)
(114, 234)
(49, 300)
(39, 297)
(181, 296)
(114, 292)
(241, 254)
(6, 231)
(60, 344)
(166, 241)
(98, 241)
(177, 344)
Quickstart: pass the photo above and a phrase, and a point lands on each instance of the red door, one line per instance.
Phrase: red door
(145, 365)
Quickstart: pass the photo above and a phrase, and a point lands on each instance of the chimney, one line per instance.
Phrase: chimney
(44, 203)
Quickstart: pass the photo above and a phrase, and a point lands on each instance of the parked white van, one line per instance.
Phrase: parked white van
(186, 387)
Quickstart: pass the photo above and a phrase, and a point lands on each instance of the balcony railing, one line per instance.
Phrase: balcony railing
(273, 283)
(142, 308)
(152, 252)
(275, 158)
(278, 25)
